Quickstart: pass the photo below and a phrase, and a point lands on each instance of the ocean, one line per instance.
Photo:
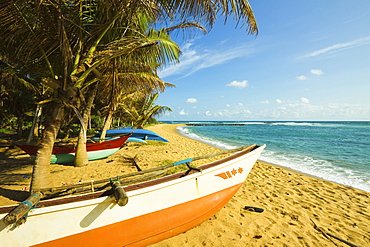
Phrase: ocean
(334, 151)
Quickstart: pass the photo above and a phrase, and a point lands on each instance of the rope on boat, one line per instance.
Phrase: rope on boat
(118, 192)
(149, 174)
(19, 214)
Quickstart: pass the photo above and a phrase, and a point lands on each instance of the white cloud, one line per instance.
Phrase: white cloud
(305, 100)
(238, 84)
(339, 47)
(322, 112)
(302, 77)
(188, 58)
(265, 102)
(240, 104)
(193, 60)
(223, 42)
(182, 112)
(288, 110)
(279, 101)
(227, 105)
(191, 100)
(317, 71)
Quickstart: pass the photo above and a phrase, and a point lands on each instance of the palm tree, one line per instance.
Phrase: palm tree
(142, 109)
(67, 44)
(72, 49)
(135, 70)
(18, 92)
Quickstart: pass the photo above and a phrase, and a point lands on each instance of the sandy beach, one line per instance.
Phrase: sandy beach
(298, 210)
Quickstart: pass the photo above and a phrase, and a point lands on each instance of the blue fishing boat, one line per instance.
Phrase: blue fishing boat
(142, 134)
(130, 139)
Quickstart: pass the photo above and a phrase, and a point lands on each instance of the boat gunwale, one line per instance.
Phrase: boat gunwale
(71, 148)
(133, 187)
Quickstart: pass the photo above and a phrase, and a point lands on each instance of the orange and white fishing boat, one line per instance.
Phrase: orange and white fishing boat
(153, 210)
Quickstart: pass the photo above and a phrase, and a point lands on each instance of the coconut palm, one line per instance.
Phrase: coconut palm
(133, 71)
(68, 44)
(142, 109)
(72, 49)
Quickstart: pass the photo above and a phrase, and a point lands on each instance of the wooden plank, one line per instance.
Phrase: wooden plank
(21, 210)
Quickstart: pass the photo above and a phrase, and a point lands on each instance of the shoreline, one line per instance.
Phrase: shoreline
(295, 205)
(268, 163)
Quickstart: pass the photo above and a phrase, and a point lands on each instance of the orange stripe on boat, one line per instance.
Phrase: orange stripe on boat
(150, 228)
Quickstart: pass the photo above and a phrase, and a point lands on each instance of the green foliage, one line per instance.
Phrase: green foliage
(177, 169)
(6, 131)
(172, 170)
(60, 51)
(96, 121)
(156, 143)
(142, 109)
(165, 162)
(91, 131)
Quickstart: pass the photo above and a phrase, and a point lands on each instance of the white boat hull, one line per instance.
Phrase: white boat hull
(152, 214)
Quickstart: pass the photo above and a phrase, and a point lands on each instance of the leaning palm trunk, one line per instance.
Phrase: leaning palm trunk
(108, 120)
(81, 158)
(35, 123)
(41, 176)
(107, 124)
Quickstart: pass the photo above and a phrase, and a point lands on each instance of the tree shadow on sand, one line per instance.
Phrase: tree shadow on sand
(14, 195)
(15, 172)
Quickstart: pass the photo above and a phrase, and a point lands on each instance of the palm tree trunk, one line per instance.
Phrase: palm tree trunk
(81, 158)
(35, 123)
(20, 125)
(41, 176)
(107, 124)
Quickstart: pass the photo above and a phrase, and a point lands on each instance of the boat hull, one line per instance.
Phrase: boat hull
(156, 210)
(130, 139)
(142, 134)
(91, 155)
(66, 154)
(150, 228)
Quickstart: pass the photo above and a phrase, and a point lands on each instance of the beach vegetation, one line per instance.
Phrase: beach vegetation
(141, 110)
(6, 131)
(165, 162)
(72, 56)
(156, 143)
(176, 169)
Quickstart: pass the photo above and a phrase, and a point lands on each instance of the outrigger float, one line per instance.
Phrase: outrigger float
(136, 209)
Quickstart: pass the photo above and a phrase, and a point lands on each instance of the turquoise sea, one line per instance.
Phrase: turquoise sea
(334, 151)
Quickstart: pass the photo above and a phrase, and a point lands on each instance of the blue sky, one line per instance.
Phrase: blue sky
(310, 61)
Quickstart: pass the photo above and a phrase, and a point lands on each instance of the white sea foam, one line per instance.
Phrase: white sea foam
(251, 123)
(325, 169)
(201, 122)
(207, 140)
(292, 124)
(319, 168)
